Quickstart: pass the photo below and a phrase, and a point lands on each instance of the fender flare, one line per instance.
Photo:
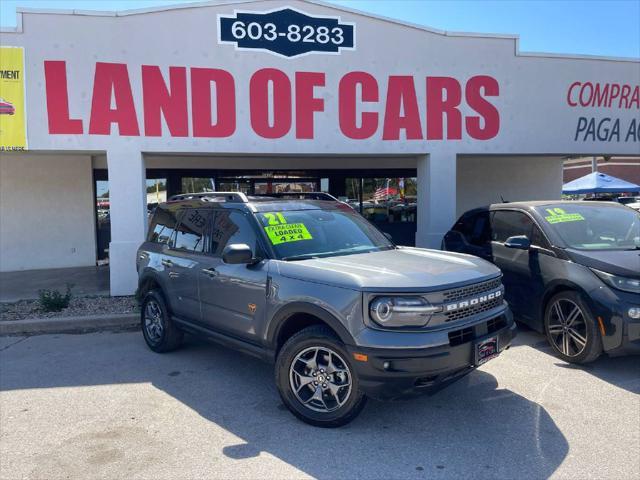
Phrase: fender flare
(151, 276)
(555, 287)
(281, 316)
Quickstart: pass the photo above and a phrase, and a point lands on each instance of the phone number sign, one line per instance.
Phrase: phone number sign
(286, 32)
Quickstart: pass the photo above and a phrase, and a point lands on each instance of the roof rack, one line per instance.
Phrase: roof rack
(301, 195)
(211, 197)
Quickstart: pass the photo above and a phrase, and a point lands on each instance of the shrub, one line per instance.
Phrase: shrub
(53, 300)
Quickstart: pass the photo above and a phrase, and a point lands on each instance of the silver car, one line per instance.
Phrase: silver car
(310, 285)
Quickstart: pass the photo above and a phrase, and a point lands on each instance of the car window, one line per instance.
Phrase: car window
(588, 226)
(538, 239)
(190, 232)
(509, 223)
(162, 226)
(475, 228)
(229, 227)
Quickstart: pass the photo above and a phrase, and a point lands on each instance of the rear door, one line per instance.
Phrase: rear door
(187, 253)
(233, 297)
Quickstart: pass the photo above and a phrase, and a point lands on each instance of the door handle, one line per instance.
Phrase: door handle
(210, 272)
(167, 263)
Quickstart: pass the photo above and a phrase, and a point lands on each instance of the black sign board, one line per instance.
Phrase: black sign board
(286, 32)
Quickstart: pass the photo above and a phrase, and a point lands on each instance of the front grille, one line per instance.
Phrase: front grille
(470, 290)
(496, 324)
(473, 309)
(458, 337)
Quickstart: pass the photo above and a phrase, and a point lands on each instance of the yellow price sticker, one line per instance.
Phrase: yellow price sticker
(287, 232)
(558, 215)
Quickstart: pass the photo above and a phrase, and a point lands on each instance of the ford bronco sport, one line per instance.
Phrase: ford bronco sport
(312, 286)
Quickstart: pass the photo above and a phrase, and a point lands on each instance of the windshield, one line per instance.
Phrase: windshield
(593, 227)
(300, 234)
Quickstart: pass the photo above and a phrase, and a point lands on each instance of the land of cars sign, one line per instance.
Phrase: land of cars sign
(286, 32)
(277, 104)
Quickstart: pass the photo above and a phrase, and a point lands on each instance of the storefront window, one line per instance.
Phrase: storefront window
(197, 185)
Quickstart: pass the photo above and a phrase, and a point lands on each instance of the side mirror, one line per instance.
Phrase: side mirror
(521, 242)
(237, 253)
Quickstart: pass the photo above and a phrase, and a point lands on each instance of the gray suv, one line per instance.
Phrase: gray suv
(313, 287)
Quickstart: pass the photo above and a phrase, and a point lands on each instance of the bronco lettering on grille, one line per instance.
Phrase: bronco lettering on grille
(473, 301)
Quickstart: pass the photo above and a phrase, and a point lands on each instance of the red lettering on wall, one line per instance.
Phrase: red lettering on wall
(159, 101)
(488, 112)
(112, 79)
(443, 98)
(306, 103)
(55, 75)
(348, 109)
(401, 111)
(201, 102)
(259, 100)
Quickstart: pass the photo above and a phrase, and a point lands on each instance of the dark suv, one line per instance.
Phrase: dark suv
(314, 287)
(571, 270)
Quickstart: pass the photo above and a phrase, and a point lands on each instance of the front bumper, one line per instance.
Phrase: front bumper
(621, 332)
(391, 373)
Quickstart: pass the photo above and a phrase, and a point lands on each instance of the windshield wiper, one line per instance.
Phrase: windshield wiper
(300, 257)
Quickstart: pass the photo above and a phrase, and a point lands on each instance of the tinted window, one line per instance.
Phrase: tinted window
(538, 239)
(475, 228)
(229, 227)
(190, 232)
(162, 226)
(508, 223)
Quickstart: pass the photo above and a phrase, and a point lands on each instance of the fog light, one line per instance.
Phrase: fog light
(634, 312)
(386, 365)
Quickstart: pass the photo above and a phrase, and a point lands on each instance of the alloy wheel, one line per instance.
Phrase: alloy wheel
(153, 321)
(320, 379)
(567, 327)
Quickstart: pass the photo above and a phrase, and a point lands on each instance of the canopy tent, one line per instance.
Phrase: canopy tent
(597, 182)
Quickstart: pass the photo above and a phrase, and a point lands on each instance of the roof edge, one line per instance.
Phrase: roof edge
(213, 3)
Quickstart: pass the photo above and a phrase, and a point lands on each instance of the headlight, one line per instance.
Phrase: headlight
(401, 311)
(621, 283)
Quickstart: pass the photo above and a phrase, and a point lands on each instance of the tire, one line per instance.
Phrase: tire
(581, 330)
(159, 331)
(340, 401)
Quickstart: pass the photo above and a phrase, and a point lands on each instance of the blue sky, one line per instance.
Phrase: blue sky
(594, 27)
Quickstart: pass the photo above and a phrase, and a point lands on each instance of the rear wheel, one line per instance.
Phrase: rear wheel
(316, 380)
(571, 328)
(158, 329)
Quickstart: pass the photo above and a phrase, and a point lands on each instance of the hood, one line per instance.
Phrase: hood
(404, 269)
(625, 263)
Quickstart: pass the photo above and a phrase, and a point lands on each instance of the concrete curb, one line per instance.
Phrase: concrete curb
(70, 324)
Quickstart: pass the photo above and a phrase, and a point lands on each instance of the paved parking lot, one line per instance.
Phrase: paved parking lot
(104, 406)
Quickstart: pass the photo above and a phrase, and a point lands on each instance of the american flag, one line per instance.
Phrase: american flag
(383, 193)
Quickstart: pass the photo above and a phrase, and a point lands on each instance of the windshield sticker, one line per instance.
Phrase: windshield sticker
(287, 232)
(558, 215)
(279, 231)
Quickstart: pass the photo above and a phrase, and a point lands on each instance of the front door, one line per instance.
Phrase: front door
(520, 268)
(232, 297)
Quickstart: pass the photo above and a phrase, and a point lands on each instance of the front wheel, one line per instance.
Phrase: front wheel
(316, 379)
(571, 328)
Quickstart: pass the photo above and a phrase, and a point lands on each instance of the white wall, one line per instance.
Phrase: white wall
(481, 180)
(46, 212)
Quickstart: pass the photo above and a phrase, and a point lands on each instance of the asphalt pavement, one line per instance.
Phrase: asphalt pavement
(102, 405)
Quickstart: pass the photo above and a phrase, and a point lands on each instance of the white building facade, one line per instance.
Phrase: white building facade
(295, 85)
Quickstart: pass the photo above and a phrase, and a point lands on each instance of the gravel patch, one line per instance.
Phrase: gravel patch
(79, 306)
